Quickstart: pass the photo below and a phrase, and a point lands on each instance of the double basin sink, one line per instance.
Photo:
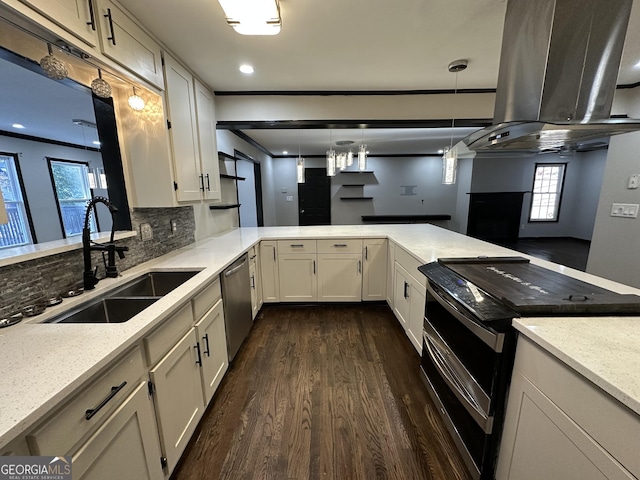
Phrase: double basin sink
(125, 302)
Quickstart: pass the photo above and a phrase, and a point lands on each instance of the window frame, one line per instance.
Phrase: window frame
(31, 232)
(95, 222)
(560, 192)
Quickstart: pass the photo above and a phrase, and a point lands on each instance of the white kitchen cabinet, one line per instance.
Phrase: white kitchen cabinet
(560, 425)
(339, 277)
(391, 266)
(269, 271)
(209, 167)
(18, 446)
(298, 274)
(402, 296)
(125, 446)
(178, 396)
(76, 16)
(122, 40)
(409, 300)
(210, 331)
(374, 269)
(184, 130)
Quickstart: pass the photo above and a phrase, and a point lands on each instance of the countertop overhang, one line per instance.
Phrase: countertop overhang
(43, 364)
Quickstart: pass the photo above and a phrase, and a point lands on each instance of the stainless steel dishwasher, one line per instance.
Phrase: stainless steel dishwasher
(236, 297)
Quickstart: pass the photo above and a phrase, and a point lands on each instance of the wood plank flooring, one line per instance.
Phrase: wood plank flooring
(571, 252)
(323, 392)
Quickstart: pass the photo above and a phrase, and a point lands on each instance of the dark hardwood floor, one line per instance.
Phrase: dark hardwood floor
(323, 392)
(570, 252)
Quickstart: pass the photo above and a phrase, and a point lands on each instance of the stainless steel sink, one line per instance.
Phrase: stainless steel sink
(153, 284)
(123, 303)
(106, 310)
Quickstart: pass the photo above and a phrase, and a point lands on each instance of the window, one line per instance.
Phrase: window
(547, 192)
(17, 231)
(71, 185)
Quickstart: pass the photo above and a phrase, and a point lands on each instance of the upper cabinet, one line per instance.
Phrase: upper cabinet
(76, 16)
(192, 133)
(122, 40)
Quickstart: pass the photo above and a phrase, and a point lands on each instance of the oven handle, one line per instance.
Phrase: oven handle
(457, 386)
(493, 340)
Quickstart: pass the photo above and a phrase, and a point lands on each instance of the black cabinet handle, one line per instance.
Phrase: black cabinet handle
(297, 245)
(199, 360)
(253, 282)
(206, 342)
(113, 34)
(91, 16)
(406, 293)
(359, 266)
(201, 182)
(314, 267)
(340, 245)
(366, 253)
(208, 183)
(114, 391)
(274, 254)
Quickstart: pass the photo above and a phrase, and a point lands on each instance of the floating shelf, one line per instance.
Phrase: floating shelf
(356, 198)
(352, 185)
(356, 171)
(224, 207)
(232, 177)
(403, 218)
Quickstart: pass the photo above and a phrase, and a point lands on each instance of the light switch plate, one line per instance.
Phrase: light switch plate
(146, 232)
(626, 210)
(634, 181)
(289, 198)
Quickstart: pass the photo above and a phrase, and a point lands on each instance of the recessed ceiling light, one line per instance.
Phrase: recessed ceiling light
(17, 125)
(96, 142)
(284, 152)
(246, 69)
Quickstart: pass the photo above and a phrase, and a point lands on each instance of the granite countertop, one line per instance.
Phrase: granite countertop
(45, 363)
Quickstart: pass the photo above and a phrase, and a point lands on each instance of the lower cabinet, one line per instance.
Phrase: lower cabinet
(125, 446)
(558, 425)
(298, 274)
(269, 271)
(339, 277)
(178, 396)
(213, 350)
(409, 296)
(374, 269)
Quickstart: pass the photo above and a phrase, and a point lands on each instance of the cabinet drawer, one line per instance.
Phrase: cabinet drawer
(296, 246)
(166, 335)
(69, 424)
(206, 299)
(340, 245)
(410, 264)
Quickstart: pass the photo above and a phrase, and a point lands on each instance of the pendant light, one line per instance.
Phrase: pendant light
(331, 158)
(450, 156)
(100, 87)
(53, 67)
(136, 102)
(362, 153)
(299, 164)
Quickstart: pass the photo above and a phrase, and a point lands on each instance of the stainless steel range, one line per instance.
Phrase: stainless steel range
(469, 343)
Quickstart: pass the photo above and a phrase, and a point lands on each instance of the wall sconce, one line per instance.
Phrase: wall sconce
(136, 102)
(53, 67)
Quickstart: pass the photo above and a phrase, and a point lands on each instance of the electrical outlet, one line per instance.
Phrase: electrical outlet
(174, 226)
(146, 232)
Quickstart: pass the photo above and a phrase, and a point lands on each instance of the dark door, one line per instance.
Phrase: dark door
(314, 198)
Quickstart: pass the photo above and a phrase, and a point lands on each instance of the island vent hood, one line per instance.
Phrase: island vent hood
(558, 72)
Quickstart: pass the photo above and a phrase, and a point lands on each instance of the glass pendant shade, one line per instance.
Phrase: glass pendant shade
(449, 167)
(362, 158)
(54, 68)
(349, 158)
(100, 87)
(331, 163)
(300, 169)
(136, 102)
(341, 161)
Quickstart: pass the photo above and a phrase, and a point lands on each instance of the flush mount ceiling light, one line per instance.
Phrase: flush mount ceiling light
(248, 69)
(253, 17)
(17, 125)
(53, 67)
(136, 102)
(450, 157)
(100, 87)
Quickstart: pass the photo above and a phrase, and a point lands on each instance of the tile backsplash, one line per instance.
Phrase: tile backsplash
(28, 282)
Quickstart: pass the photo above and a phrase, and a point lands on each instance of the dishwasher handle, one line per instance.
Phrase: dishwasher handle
(228, 273)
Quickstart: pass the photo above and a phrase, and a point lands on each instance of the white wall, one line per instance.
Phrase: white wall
(32, 157)
(583, 177)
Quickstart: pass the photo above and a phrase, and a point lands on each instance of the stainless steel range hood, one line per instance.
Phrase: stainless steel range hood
(558, 71)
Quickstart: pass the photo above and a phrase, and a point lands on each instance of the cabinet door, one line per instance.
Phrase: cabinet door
(374, 272)
(213, 346)
(179, 403)
(76, 16)
(125, 446)
(298, 277)
(254, 290)
(391, 269)
(402, 296)
(122, 40)
(209, 165)
(339, 277)
(269, 272)
(183, 132)
(416, 315)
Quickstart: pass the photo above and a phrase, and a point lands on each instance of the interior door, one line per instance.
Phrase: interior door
(314, 198)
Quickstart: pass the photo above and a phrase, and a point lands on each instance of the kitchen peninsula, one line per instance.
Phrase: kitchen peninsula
(47, 364)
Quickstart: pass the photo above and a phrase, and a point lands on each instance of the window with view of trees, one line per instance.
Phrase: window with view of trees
(17, 231)
(547, 192)
(71, 185)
